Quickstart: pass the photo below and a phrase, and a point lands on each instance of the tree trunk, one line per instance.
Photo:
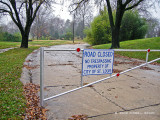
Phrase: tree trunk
(116, 28)
(24, 43)
(115, 37)
(114, 45)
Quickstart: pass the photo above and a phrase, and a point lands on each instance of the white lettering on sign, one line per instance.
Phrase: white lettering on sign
(97, 61)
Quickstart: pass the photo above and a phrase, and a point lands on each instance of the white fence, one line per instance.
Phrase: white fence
(42, 50)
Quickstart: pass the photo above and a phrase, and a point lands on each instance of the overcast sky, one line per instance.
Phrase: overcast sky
(62, 12)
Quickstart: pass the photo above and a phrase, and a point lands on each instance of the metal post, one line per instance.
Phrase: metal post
(41, 76)
(81, 80)
(147, 55)
(82, 72)
(110, 75)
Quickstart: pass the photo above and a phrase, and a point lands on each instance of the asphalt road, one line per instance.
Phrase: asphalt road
(131, 96)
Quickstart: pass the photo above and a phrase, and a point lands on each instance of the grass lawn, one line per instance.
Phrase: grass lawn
(38, 43)
(12, 100)
(4, 45)
(148, 43)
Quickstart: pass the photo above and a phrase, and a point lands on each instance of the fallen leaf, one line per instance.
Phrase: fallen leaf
(33, 110)
(78, 117)
(116, 96)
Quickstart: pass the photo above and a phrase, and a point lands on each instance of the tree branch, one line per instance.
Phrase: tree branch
(136, 4)
(3, 10)
(18, 22)
(36, 10)
(78, 4)
(30, 7)
(21, 6)
(6, 5)
(110, 13)
(127, 2)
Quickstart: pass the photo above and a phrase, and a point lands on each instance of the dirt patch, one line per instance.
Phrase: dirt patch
(120, 56)
(129, 75)
(70, 61)
(136, 63)
(110, 89)
(77, 55)
(134, 87)
(60, 64)
(132, 63)
(155, 63)
(117, 71)
(30, 67)
(146, 68)
(29, 61)
(139, 83)
(88, 83)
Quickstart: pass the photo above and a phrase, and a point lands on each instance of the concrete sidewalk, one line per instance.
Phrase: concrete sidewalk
(131, 96)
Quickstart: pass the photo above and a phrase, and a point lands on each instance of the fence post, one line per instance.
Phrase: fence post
(41, 76)
(148, 50)
(82, 71)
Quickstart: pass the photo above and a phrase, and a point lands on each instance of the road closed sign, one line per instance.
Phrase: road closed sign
(97, 61)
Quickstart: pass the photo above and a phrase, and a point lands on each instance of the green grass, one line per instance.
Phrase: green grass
(48, 42)
(149, 43)
(12, 100)
(38, 43)
(4, 45)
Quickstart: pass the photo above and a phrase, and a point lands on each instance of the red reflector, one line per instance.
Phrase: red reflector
(78, 49)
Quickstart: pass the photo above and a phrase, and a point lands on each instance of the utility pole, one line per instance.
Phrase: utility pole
(73, 25)
(37, 21)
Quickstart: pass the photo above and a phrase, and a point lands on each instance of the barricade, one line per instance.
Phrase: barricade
(118, 54)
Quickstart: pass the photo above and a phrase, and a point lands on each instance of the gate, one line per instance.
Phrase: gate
(42, 50)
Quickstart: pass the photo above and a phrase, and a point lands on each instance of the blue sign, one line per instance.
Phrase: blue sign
(97, 61)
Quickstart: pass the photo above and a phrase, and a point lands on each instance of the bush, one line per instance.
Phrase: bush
(133, 26)
(5, 36)
(68, 36)
(18, 37)
(62, 37)
(1, 36)
(89, 36)
(100, 31)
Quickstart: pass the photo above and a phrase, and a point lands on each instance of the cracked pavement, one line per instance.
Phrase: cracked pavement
(131, 96)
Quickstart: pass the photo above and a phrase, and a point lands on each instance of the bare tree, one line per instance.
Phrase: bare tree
(11, 27)
(154, 28)
(56, 27)
(22, 13)
(121, 6)
(83, 14)
(40, 25)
